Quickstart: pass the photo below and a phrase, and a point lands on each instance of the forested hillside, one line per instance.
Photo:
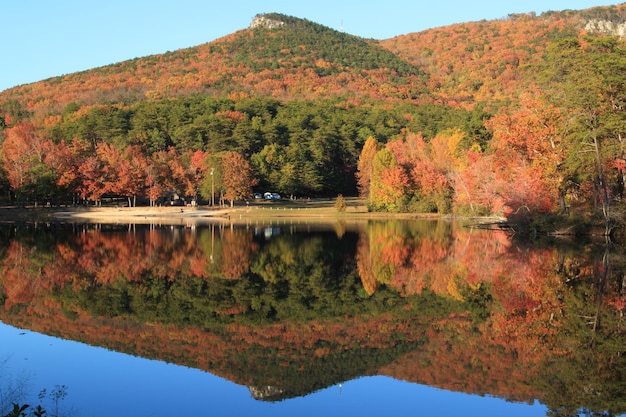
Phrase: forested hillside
(486, 61)
(477, 118)
(300, 59)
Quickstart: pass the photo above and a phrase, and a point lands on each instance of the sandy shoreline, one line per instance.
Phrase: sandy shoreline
(191, 215)
(108, 213)
(322, 210)
(318, 211)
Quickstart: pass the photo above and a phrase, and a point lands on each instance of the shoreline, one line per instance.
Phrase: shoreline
(322, 211)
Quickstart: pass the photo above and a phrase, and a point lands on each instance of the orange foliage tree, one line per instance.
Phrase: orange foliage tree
(528, 155)
(237, 177)
(365, 166)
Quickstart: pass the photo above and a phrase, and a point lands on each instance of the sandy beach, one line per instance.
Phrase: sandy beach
(322, 210)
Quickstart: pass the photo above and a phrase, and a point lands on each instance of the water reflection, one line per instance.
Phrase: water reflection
(291, 309)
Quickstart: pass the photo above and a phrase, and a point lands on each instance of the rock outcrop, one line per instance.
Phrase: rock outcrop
(261, 21)
(606, 27)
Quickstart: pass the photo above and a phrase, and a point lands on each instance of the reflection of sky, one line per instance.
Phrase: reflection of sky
(102, 383)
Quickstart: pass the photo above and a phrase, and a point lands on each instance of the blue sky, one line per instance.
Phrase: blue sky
(45, 38)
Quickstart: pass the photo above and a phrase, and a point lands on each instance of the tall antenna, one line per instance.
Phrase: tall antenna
(341, 26)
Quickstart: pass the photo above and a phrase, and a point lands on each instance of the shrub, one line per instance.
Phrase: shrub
(340, 204)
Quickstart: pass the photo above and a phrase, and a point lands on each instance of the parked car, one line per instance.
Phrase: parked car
(271, 196)
(258, 196)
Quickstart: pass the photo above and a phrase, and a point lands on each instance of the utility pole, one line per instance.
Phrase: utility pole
(212, 189)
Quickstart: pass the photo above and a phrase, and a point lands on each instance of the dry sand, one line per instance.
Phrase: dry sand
(322, 210)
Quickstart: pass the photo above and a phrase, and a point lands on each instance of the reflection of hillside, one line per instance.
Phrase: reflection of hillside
(426, 302)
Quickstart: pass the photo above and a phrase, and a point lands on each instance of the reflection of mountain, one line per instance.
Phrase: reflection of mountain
(426, 302)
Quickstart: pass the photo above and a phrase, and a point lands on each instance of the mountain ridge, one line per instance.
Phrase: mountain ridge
(236, 63)
(303, 59)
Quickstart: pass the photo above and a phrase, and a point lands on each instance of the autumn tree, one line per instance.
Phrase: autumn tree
(474, 183)
(584, 78)
(528, 156)
(188, 172)
(111, 158)
(20, 152)
(132, 174)
(158, 175)
(365, 166)
(429, 187)
(198, 170)
(74, 153)
(238, 177)
(91, 183)
(99, 173)
(389, 183)
(24, 153)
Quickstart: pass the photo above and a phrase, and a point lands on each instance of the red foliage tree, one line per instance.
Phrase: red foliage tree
(132, 173)
(23, 155)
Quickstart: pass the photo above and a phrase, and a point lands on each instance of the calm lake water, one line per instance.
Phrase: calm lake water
(296, 319)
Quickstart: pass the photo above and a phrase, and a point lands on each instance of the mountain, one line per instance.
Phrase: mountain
(295, 58)
(286, 57)
(486, 61)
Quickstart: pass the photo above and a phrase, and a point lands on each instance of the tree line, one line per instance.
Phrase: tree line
(559, 147)
(556, 147)
(200, 146)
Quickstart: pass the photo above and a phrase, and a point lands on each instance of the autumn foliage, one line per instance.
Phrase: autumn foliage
(453, 307)
(516, 117)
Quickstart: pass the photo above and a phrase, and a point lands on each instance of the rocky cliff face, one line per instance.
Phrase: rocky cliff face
(606, 27)
(261, 21)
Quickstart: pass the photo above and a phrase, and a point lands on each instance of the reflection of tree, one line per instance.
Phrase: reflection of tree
(591, 374)
(523, 293)
(415, 256)
(364, 264)
(430, 302)
(237, 254)
(226, 252)
(303, 278)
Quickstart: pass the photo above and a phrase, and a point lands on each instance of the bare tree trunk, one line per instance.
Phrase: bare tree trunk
(603, 188)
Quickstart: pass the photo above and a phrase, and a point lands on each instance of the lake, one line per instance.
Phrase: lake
(286, 318)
